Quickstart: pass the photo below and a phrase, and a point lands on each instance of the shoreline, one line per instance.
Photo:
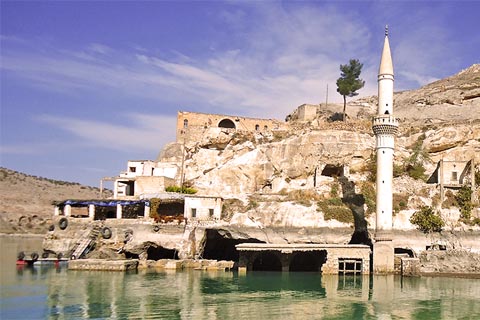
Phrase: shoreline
(450, 275)
(22, 235)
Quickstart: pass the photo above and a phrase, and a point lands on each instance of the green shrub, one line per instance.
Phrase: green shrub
(252, 204)
(334, 190)
(449, 200)
(335, 202)
(177, 189)
(302, 197)
(334, 208)
(416, 171)
(427, 220)
(436, 200)
(476, 221)
(464, 201)
(399, 202)
(371, 167)
(369, 194)
(398, 170)
(414, 164)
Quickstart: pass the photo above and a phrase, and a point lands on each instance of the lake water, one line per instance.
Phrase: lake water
(56, 293)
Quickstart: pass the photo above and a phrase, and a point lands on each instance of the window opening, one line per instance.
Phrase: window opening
(349, 266)
(226, 123)
(454, 175)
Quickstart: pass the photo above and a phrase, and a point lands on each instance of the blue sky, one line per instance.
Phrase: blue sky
(86, 86)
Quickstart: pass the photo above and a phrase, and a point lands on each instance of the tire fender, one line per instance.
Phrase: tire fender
(63, 223)
(106, 233)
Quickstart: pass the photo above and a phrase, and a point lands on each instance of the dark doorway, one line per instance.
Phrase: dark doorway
(331, 170)
(410, 252)
(226, 123)
(267, 261)
(222, 246)
(308, 261)
(157, 253)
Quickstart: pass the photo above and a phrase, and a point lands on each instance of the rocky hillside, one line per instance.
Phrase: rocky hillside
(290, 178)
(26, 204)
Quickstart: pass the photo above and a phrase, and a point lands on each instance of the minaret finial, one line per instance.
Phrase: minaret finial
(386, 30)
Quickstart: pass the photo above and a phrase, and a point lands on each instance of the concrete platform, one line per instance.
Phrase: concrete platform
(103, 265)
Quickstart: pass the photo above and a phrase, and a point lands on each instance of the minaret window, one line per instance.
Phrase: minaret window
(185, 123)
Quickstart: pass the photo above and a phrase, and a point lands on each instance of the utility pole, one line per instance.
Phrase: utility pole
(326, 99)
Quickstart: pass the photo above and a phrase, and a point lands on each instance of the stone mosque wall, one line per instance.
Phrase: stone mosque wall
(193, 126)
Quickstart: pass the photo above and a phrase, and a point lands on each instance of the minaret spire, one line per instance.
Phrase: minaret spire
(385, 127)
(385, 78)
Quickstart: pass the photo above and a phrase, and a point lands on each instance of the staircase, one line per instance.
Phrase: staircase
(85, 243)
(188, 242)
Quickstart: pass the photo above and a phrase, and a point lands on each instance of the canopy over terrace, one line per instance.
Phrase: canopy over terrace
(325, 258)
(122, 208)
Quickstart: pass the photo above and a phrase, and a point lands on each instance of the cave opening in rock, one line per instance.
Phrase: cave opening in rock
(267, 261)
(157, 253)
(219, 247)
(129, 255)
(308, 261)
(331, 170)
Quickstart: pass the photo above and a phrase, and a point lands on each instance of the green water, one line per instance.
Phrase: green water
(50, 293)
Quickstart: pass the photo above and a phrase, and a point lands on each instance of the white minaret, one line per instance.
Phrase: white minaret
(385, 127)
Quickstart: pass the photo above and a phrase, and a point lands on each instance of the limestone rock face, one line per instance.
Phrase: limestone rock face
(453, 98)
(251, 167)
(457, 136)
(443, 116)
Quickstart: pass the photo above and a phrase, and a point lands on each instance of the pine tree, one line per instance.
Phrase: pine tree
(349, 81)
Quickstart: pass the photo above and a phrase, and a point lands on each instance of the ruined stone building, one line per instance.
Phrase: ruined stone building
(192, 126)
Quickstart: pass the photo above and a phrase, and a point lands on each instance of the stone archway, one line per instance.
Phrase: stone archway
(267, 261)
(226, 123)
(309, 261)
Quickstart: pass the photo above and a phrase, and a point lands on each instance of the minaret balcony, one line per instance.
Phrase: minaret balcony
(385, 124)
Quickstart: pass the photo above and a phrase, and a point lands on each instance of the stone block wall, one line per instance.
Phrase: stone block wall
(191, 126)
(334, 254)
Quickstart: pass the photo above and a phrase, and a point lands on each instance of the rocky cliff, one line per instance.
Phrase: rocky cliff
(291, 178)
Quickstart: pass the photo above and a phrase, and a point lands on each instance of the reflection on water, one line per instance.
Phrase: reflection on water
(62, 294)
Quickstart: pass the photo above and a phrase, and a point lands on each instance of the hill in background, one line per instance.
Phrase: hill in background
(26, 201)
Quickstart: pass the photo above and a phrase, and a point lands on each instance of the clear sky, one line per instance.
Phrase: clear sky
(86, 86)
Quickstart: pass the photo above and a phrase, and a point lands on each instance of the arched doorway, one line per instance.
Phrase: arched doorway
(226, 123)
(267, 261)
(307, 261)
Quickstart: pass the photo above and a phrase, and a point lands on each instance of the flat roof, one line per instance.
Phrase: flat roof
(297, 246)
